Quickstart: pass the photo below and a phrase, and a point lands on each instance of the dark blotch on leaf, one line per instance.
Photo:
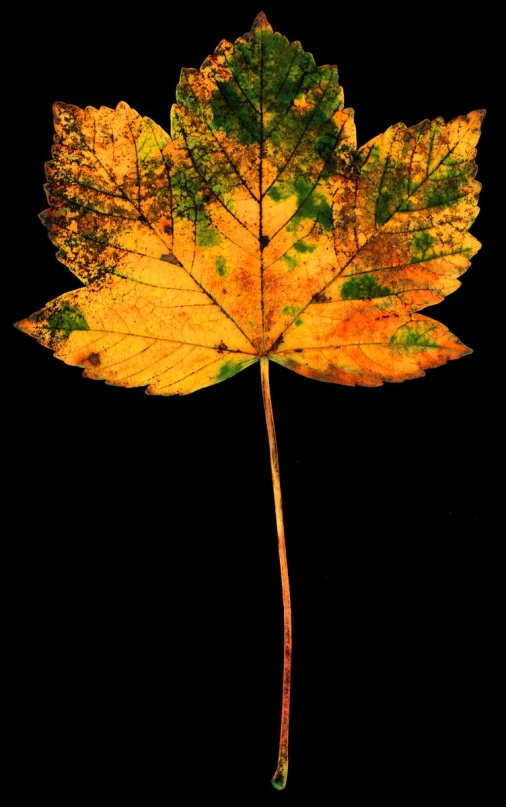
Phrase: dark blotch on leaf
(170, 258)
(321, 297)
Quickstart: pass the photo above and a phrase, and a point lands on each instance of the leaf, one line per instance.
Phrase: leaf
(256, 229)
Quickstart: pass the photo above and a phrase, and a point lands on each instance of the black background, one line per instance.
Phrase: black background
(147, 582)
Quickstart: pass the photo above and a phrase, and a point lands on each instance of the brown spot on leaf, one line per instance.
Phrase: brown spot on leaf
(166, 225)
(93, 359)
(321, 297)
(170, 258)
(279, 341)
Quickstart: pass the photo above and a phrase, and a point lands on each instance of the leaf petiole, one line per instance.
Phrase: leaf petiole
(281, 773)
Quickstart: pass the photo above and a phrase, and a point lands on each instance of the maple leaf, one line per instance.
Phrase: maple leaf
(256, 231)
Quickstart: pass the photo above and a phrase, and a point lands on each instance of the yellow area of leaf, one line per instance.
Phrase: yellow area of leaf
(256, 229)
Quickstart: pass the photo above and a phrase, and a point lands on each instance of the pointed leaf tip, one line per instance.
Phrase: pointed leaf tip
(23, 325)
(261, 23)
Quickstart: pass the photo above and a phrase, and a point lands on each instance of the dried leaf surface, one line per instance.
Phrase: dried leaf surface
(256, 229)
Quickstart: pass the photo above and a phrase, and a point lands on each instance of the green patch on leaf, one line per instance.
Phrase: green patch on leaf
(364, 287)
(310, 205)
(232, 115)
(277, 194)
(221, 266)
(290, 310)
(228, 369)
(373, 156)
(301, 246)
(442, 193)
(206, 233)
(393, 194)
(67, 318)
(290, 261)
(326, 144)
(414, 334)
(422, 242)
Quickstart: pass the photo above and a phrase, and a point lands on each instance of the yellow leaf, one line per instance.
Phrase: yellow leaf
(256, 231)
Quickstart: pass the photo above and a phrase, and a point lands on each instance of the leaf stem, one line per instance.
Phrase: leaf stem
(281, 773)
